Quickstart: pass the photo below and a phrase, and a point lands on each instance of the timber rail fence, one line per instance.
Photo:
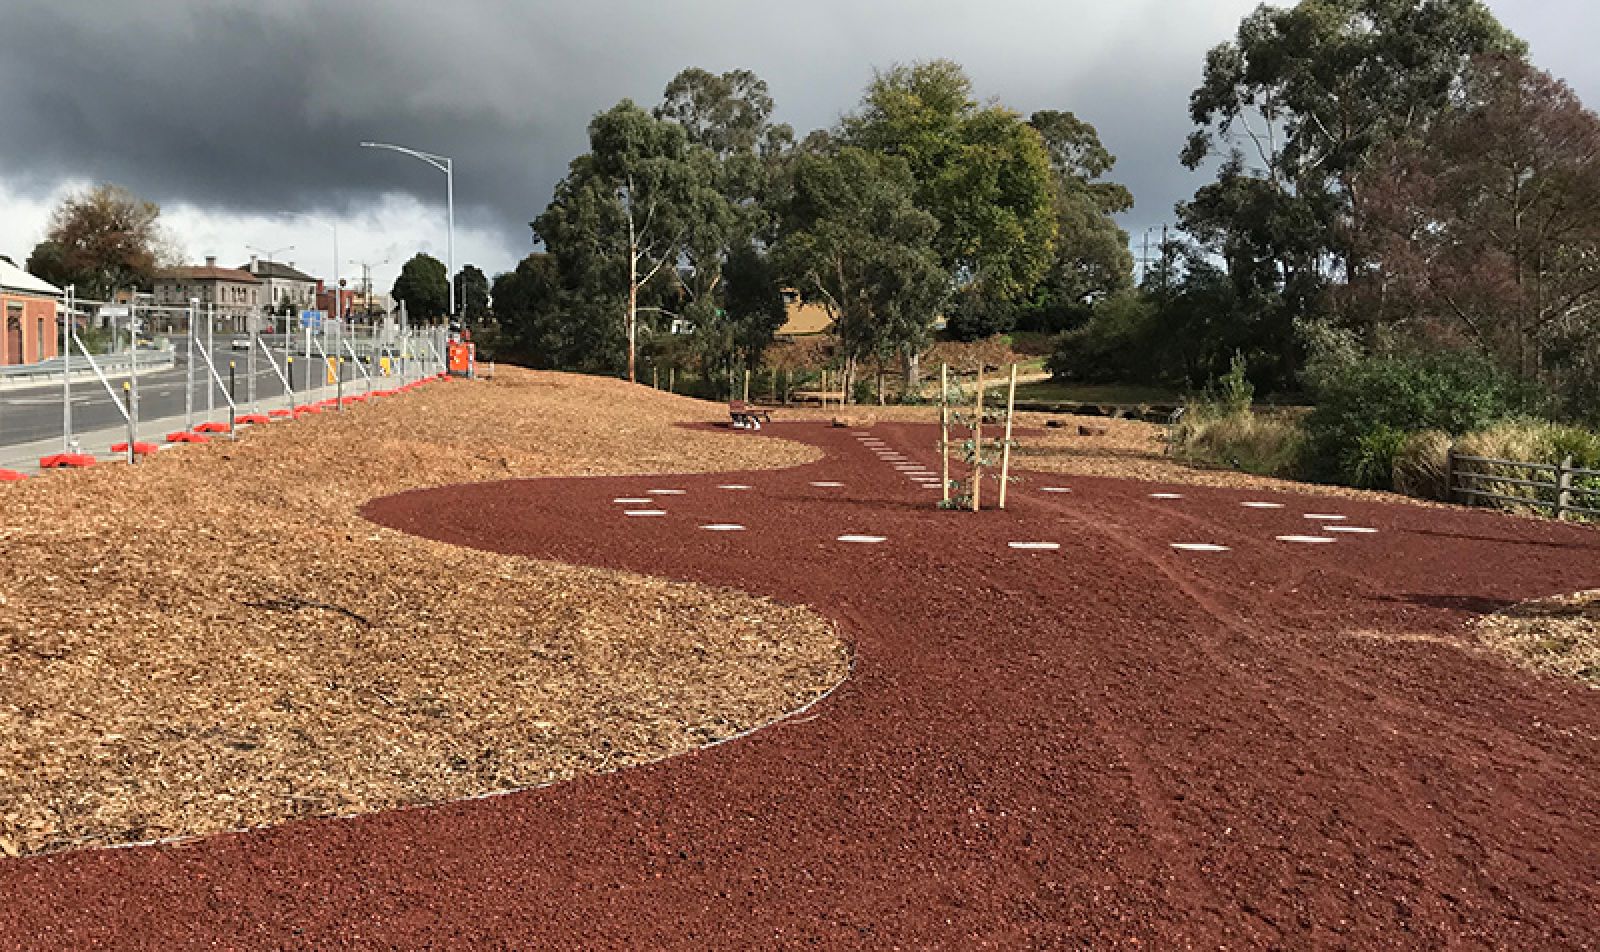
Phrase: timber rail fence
(1561, 489)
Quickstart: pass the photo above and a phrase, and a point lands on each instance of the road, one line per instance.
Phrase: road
(34, 413)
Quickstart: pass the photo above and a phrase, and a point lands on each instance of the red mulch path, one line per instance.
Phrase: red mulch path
(1113, 742)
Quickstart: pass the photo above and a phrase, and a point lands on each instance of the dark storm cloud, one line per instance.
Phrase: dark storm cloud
(258, 107)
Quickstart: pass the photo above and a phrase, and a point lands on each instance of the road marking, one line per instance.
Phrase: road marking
(724, 527)
(1262, 505)
(1200, 547)
(630, 501)
(644, 512)
(864, 539)
(1362, 530)
(1302, 538)
(1035, 546)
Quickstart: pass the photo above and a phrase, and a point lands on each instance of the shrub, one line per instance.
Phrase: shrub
(1420, 467)
(1113, 347)
(1366, 409)
(1534, 441)
(1266, 444)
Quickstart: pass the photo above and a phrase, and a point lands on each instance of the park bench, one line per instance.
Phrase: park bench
(746, 417)
(819, 397)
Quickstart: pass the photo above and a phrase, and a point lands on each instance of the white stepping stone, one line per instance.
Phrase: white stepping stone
(863, 539)
(1054, 489)
(1200, 547)
(1262, 505)
(644, 512)
(1035, 546)
(1354, 530)
(1166, 495)
(1325, 517)
(723, 527)
(735, 486)
(666, 492)
(627, 501)
(828, 485)
(1313, 540)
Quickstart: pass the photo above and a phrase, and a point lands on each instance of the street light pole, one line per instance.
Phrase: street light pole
(447, 166)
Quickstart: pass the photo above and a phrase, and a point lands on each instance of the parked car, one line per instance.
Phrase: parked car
(240, 343)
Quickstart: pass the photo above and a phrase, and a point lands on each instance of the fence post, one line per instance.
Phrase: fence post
(1564, 486)
(1450, 474)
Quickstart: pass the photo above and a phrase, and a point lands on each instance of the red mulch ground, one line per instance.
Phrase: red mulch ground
(1110, 743)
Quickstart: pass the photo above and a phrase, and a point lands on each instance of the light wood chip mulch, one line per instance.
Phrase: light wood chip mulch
(1559, 635)
(215, 639)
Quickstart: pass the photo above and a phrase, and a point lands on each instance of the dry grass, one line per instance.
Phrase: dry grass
(1558, 635)
(215, 639)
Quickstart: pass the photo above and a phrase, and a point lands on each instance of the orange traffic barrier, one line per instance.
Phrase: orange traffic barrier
(140, 448)
(66, 461)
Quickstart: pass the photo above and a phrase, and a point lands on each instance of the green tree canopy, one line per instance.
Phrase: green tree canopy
(854, 239)
(423, 287)
(982, 172)
(101, 240)
(472, 294)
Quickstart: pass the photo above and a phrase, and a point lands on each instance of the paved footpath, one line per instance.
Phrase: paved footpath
(1118, 714)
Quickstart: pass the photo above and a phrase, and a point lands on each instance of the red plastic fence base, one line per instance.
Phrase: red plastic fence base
(349, 400)
(302, 411)
(66, 461)
(280, 414)
(212, 428)
(139, 449)
(255, 419)
(182, 437)
(11, 476)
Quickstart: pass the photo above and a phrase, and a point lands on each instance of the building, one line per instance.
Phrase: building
(28, 308)
(283, 289)
(235, 292)
(802, 318)
(344, 305)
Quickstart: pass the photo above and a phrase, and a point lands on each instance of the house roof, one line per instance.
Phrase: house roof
(206, 272)
(276, 270)
(13, 278)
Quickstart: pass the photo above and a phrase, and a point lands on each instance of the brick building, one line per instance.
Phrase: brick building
(28, 329)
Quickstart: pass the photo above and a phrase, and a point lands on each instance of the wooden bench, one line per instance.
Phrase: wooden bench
(746, 417)
(819, 397)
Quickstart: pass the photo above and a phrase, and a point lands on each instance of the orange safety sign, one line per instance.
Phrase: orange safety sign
(459, 357)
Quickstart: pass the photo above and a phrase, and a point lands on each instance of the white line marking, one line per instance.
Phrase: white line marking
(1361, 530)
(864, 539)
(828, 485)
(1300, 538)
(644, 512)
(1324, 517)
(1035, 546)
(1166, 495)
(628, 501)
(735, 486)
(665, 492)
(1054, 489)
(723, 527)
(1200, 547)
(1262, 505)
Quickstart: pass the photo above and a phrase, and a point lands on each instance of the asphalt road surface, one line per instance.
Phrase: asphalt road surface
(34, 413)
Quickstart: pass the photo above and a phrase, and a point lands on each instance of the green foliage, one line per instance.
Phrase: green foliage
(424, 287)
(472, 295)
(1366, 411)
(1115, 346)
(102, 240)
(982, 172)
(854, 239)
(1266, 444)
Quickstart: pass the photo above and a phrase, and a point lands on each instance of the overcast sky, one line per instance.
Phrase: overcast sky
(236, 116)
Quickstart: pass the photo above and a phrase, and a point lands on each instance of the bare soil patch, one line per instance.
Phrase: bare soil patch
(216, 639)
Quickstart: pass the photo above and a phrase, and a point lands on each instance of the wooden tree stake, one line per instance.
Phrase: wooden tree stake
(944, 433)
(977, 446)
(747, 385)
(1005, 446)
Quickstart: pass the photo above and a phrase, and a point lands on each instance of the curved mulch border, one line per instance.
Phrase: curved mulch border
(1116, 741)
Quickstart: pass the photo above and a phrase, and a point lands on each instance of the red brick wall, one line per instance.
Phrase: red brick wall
(35, 347)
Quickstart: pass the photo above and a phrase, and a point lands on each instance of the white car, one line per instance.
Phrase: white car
(240, 343)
